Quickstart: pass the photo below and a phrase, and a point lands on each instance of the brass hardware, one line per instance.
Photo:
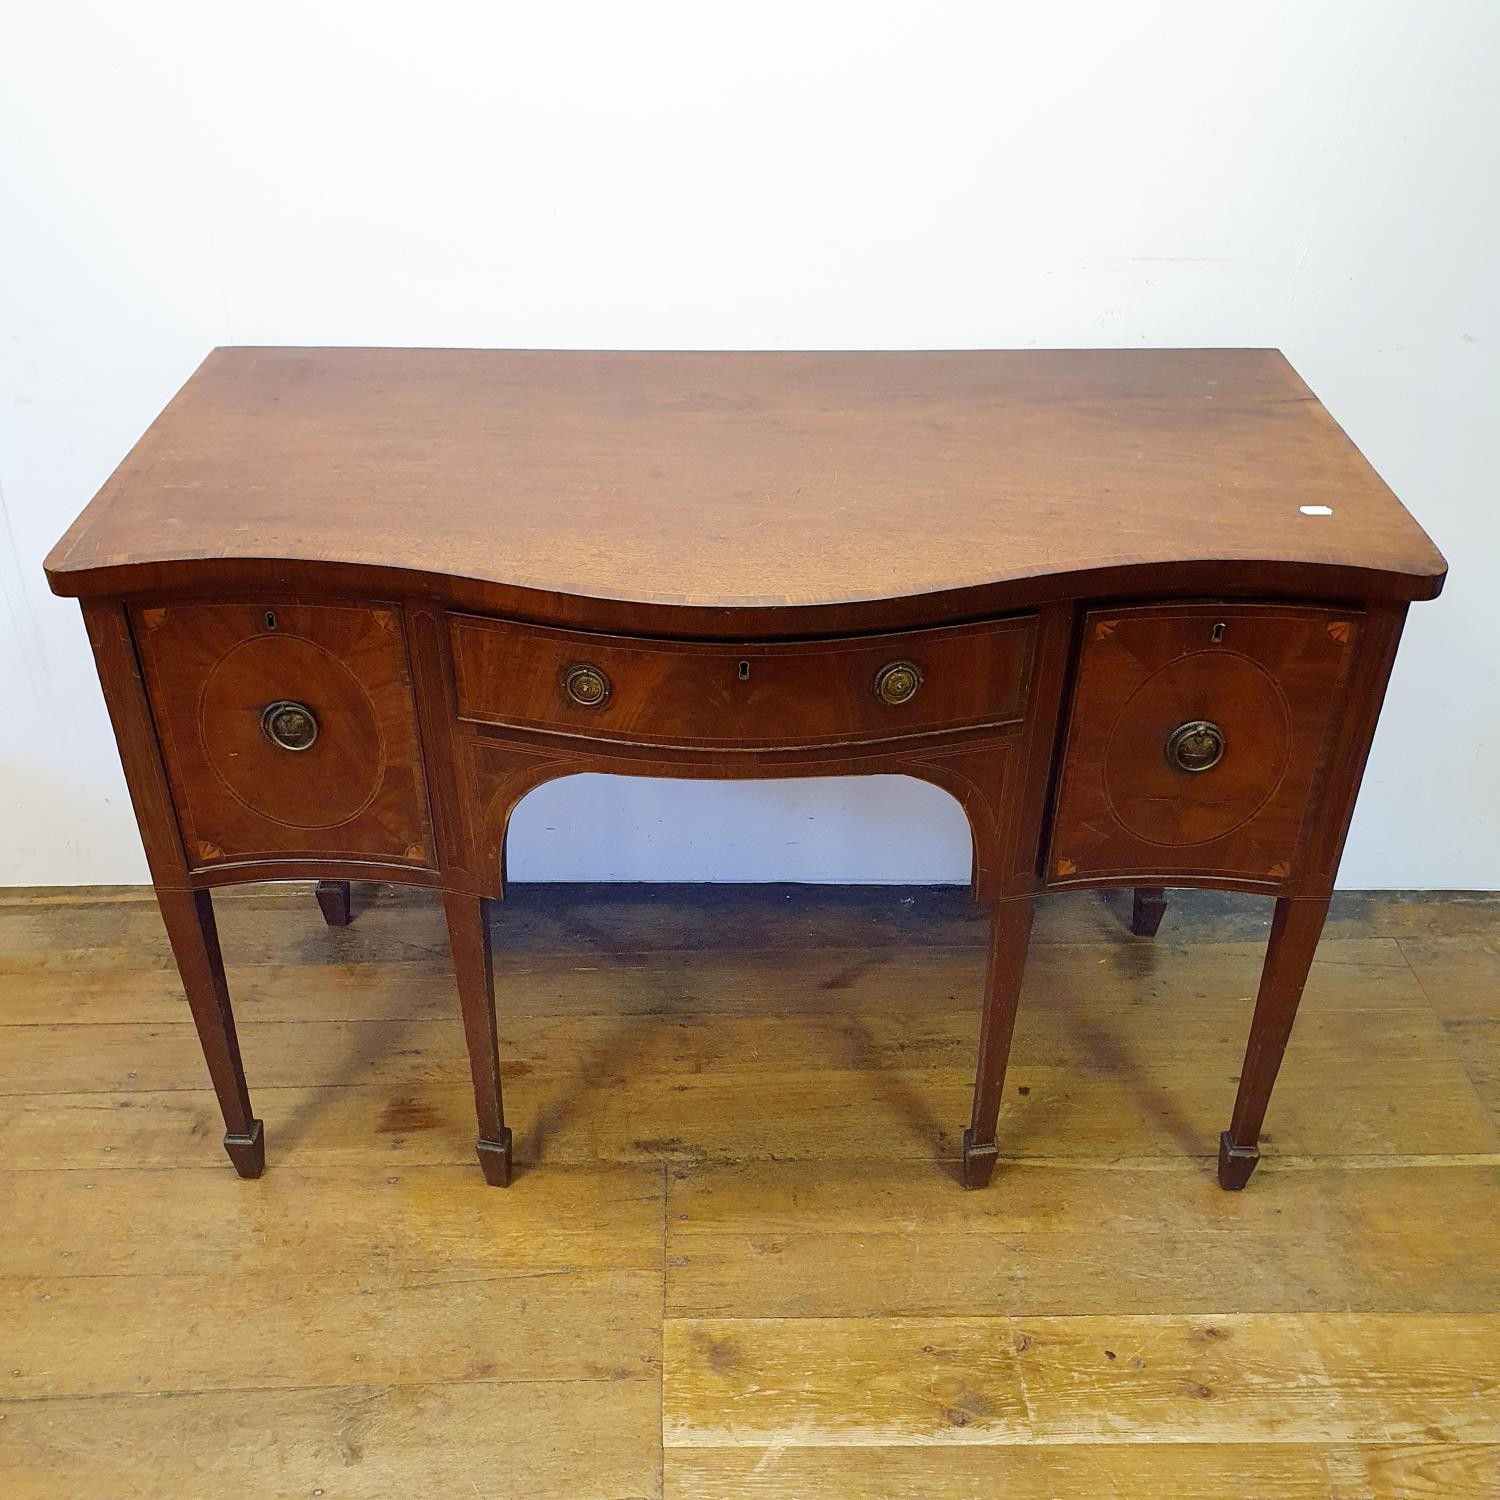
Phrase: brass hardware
(1217, 633)
(1195, 746)
(587, 686)
(898, 682)
(292, 726)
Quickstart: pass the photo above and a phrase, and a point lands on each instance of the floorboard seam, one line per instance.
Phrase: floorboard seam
(363, 1387)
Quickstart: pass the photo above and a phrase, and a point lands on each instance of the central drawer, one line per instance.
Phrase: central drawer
(727, 696)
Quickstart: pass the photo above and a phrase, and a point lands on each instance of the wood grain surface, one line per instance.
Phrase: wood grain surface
(357, 792)
(742, 1265)
(658, 490)
(324, 592)
(790, 694)
(1268, 678)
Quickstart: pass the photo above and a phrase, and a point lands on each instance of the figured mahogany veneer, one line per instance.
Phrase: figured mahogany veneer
(357, 792)
(692, 693)
(1268, 677)
(1134, 610)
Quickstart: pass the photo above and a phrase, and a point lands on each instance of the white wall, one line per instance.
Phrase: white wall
(1322, 177)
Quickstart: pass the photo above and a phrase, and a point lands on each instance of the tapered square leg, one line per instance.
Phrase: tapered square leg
(1295, 929)
(247, 1152)
(189, 919)
(979, 1161)
(1236, 1163)
(473, 967)
(1148, 905)
(494, 1158)
(335, 902)
(1010, 934)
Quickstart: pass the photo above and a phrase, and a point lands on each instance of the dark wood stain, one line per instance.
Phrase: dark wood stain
(405, 1116)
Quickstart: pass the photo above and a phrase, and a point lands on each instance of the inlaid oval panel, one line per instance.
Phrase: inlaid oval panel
(289, 731)
(330, 782)
(1196, 740)
(1163, 804)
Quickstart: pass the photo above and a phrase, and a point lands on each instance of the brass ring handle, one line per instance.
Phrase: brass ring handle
(898, 682)
(292, 726)
(587, 686)
(1197, 745)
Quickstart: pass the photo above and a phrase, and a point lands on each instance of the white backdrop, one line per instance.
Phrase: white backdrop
(1321, 177)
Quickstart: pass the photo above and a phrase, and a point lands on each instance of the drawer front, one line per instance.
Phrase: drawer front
(1196, 739)
(711, 695)
(334, 772)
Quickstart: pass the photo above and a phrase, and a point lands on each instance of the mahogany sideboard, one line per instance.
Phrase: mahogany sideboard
(1135, 610)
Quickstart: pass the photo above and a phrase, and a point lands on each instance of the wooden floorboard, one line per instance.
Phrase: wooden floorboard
(736, 1261)
(562, 1439)
(1132, 1471)
(1236, 1377)
(787, 1239)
